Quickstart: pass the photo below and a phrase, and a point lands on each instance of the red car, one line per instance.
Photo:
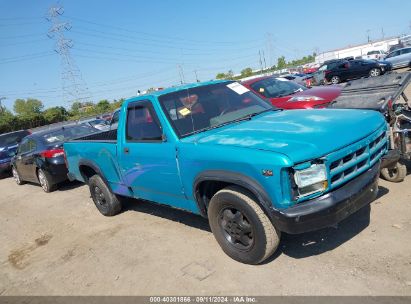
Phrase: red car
(290, 95)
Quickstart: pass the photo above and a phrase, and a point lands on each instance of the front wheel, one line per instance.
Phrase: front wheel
(241, 227)
(16, 176)
(106, 202)
(375, 72)
(395, 174)
(335, 80)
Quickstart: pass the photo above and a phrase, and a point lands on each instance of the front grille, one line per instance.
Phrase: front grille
(347, 163)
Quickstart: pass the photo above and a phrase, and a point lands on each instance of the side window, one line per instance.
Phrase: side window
(32, 145)
(142, 124)
(115, 118)
(24, 147)
(405, 51)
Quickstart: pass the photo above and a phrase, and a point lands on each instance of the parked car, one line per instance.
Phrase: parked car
(99, 124)
(374, 55)
(8, 147)
(400, 58)
(218, 150)
(301, 79)
(114, 120)
(339, 71)
(290, 95)
(40, 158)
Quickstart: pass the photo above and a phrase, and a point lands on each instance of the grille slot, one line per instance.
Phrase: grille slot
(351, 162)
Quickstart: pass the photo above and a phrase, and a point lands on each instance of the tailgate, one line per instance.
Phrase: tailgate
(373, 93)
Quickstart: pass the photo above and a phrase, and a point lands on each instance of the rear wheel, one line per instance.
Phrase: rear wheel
(395, 174)
(106, 202)
(335, 80)
(16, 176)
(375, 72)
(241, 227)
(45, 182)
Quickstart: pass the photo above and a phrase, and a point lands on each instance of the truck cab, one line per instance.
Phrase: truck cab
(218, 150)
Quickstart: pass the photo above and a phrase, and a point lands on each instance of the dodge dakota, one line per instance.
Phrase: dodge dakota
(220, 151)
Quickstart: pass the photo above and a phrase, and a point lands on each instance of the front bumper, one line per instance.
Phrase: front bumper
(330, 208)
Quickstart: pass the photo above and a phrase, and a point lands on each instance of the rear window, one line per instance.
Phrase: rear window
(12, 138)
(67, 133)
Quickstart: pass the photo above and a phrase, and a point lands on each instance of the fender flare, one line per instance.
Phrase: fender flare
(234, 178)
(92, 165)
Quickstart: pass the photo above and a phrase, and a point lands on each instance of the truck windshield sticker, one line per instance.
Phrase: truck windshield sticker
(184, 111)
(238, 88)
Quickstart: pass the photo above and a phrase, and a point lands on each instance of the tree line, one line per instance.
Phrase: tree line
(281, 64)
(30, 113)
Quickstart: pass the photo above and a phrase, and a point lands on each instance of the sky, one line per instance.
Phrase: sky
(120, 47)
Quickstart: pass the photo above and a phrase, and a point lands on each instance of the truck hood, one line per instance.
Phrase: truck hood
(299, 134)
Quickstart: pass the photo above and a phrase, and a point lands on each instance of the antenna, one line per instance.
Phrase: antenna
(73, 85)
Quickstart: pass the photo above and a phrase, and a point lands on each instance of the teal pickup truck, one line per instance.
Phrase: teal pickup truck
(218, 150)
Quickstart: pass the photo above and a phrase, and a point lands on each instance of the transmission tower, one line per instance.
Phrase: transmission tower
(73, 84)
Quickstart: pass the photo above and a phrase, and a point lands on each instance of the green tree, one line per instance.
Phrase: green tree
(281, 63)
(247, 72)
(102, 106)
(221, 76)
(27, 108)
(55, 114)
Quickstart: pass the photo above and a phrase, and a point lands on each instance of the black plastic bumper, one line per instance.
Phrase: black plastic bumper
(331, 208)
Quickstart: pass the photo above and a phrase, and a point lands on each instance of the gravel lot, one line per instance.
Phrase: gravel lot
(59, 244)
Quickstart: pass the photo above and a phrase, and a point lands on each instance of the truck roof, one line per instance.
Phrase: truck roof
(174, 89)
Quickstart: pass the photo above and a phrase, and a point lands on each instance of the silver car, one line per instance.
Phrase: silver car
(400, 58)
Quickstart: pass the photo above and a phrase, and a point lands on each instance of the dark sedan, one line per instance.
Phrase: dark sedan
(341, 70)
(40, 156)
(8, 147)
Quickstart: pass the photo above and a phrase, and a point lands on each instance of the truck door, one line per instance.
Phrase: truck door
(147, 160)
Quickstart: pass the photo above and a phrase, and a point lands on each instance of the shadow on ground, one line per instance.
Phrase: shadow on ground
(295, 246)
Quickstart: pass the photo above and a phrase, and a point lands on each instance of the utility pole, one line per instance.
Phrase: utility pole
(368, 36)
(270, 49)
(265, 64)
(181, 73)
(382, 33)
(74, 87)
(261, 63)
(195, 72)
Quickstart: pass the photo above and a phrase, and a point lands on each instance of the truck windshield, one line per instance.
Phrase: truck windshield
(201, 108)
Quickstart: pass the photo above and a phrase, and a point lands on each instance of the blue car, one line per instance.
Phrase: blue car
(8, 148)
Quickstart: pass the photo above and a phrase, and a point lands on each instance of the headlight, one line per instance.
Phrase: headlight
(311, 180)
(305, 98)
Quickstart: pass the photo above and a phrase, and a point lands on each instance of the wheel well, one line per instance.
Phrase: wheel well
(206, 189)
(87, 172)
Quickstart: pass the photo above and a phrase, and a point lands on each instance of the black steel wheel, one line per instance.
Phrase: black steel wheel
(241, 227)
(106, 202)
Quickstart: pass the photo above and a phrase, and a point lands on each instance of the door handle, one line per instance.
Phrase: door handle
(126, 150)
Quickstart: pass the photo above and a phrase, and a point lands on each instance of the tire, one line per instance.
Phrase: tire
(16, 176)
(335, 80)
(375, 72)
(106, 202)
(395, 174)
(45, 182)
(241, 227)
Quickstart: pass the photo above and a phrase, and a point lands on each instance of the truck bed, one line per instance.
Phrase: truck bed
(106, 136)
